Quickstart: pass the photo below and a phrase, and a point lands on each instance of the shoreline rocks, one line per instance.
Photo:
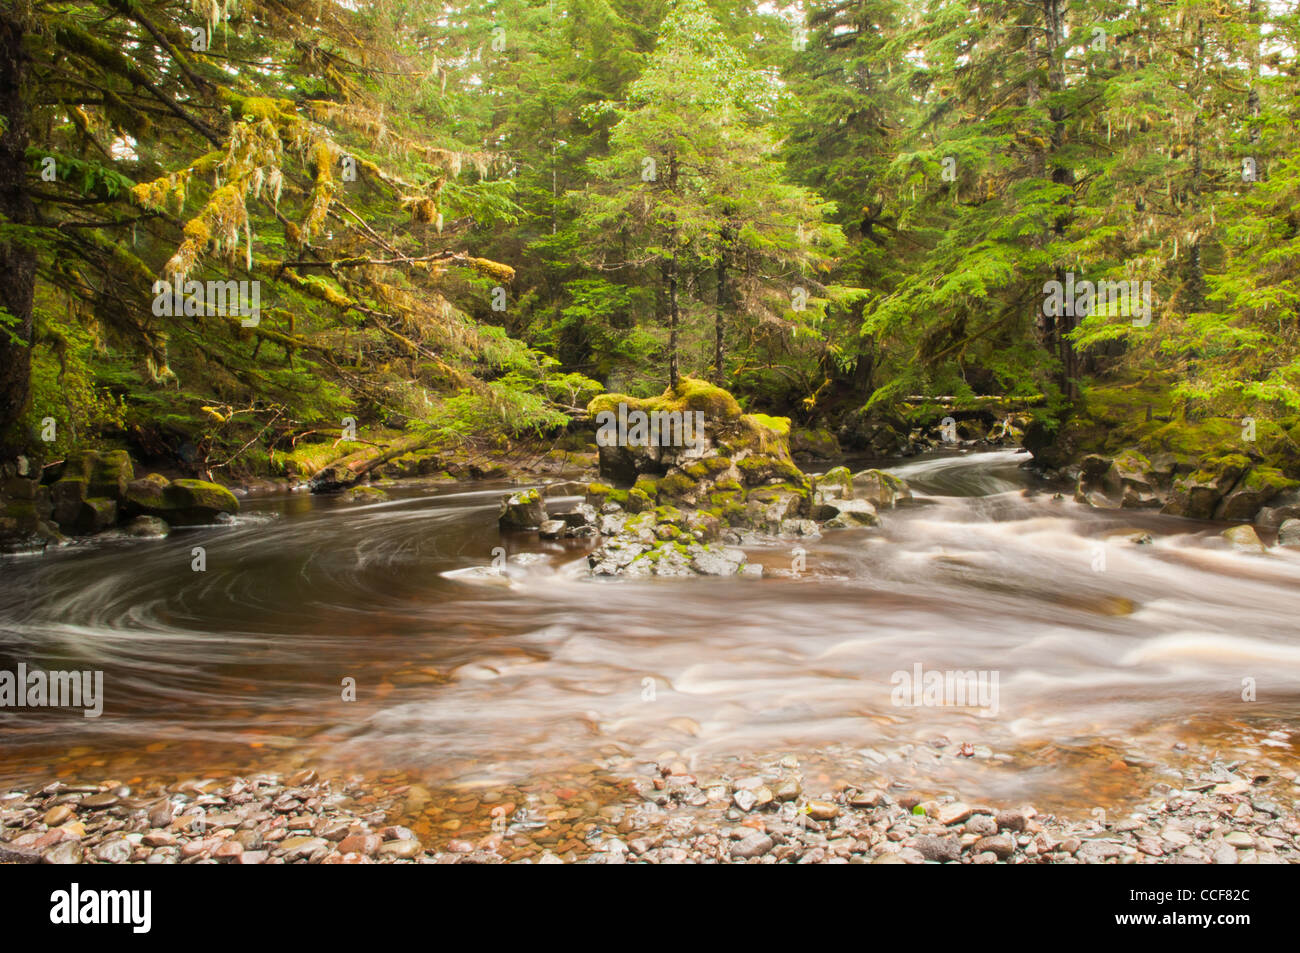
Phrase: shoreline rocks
(765, 813)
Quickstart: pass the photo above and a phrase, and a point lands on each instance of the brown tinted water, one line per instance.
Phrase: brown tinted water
(1107, 652)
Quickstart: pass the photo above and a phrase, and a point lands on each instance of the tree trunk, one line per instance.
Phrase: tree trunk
(17, 261)
(672, 322)
(720, 320)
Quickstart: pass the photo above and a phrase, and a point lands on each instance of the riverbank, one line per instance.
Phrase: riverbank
(1217, 812)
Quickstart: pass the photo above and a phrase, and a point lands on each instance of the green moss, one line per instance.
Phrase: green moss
(670, 514)
(1269, 478)
(676, 484)
(775, 491)
(765, 467)
(647, 486)
(778, 425)
(689, 395)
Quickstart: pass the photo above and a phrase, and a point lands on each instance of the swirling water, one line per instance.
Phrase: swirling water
(1106, 651)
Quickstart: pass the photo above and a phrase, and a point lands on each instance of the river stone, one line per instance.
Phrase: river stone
(1000, 844)
(147, 527)
(1243, 538)
(404, 849)
(65, 852)
(954, 813)
(115, 851)
(941, 849)
(12, 854)
(716, 562)
(180, 502)
(1197, 495)
(848, 514)
(522, 511)
(96, 515)
(753, 844)
(881, 489)
(551, 529)
(1289, 533)
(332, 479)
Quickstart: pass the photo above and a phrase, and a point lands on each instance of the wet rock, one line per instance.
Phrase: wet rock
(1243, 538)
(822, 810)
(525, 510)
(365, 844)
(115, 851)
(1001, 845)
(65, 852)
(883, 490)
(753, 844)
(953, 813)
(180, 503)
(551, 529)
(850, 514)
(402, 849)
(95, 515)
(1012, 821)
(13, 854)
(717, 561)
(147, 527)
(1289, 533)
(57, 815)
(332, 479)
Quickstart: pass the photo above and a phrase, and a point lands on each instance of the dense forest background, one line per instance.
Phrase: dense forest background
(470, 218)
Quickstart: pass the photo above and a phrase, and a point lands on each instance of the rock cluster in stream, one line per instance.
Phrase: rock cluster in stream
(684, 510)
(94, 492)
(693, 519)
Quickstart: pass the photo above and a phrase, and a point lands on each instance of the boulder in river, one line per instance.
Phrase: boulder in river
(1289, 533)
(523, 510)
(1243, 538)
(180, 502)
(883, 490)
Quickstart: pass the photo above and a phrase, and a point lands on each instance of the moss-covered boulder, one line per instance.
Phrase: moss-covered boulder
(814, 444)
(147, 493)
(637, 435)
(835, 484)
(883, 490)
(183, 502)
(1198, 494)
(1129, 481)
(525, 510)
(1257, 486)
(96, 515)
(364, 494)
(111, 472)
(196, 502)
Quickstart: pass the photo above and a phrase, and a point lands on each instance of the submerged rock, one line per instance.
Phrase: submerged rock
(147, 527)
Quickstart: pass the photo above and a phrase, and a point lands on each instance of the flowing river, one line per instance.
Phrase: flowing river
(1107, 653)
